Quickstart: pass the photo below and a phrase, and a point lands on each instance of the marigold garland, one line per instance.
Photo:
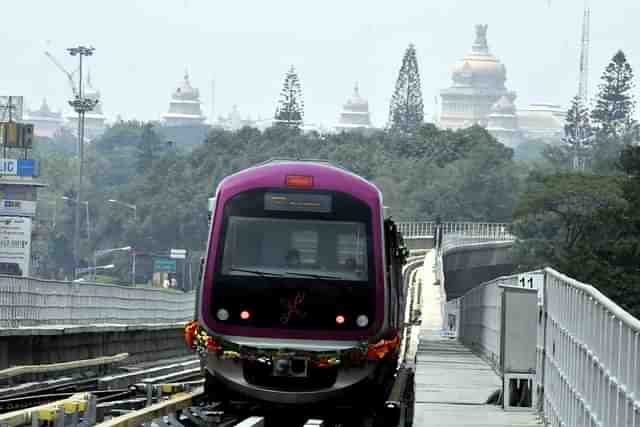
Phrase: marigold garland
(198, 340)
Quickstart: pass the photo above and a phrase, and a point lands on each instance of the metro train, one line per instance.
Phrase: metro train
(301, 298)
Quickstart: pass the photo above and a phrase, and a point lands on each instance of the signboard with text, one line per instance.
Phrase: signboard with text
(13, 167)
(17, 207)
(15, 245)
(162, 264)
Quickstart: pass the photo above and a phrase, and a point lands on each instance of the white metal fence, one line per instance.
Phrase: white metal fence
(588, 348)
(589, 363)
(428, 229)
(32, 302)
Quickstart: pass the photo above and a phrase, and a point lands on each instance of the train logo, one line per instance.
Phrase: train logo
(291, 306)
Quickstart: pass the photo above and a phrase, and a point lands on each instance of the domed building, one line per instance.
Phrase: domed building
(478, 83)
(184, 107)
(184, 123)
(502, 123)
(45, 122)
(355, 114)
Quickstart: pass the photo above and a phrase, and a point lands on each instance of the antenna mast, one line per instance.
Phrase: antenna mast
(583, 88)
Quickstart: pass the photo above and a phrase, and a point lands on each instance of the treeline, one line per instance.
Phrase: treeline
(462, 175)
(580, 211)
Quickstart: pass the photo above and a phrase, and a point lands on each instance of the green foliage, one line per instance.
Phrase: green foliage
(290, 110)
(613, 112)
(462, 175)
(578, 135)
(406, 112)
(585, 225)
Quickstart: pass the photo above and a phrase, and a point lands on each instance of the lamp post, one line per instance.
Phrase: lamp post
(86, 204)
(92, 269)
(81, 105)
(102, 252)
(135, 209)
(133, 251)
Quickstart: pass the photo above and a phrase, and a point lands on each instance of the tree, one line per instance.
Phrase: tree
(150, 148)
(578, 135)
(290, 110)
(406, 112)
(614, 107)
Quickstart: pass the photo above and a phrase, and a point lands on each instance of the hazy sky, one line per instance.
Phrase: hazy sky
(144, 46)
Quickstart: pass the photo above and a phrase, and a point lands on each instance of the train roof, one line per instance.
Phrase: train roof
(326, 176)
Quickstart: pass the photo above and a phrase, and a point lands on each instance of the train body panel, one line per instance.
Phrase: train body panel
(300, 262)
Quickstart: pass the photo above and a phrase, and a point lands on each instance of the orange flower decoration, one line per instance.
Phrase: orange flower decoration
(189, 332)
(382, 348)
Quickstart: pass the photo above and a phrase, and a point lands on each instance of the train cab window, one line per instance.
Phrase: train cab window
(295, 247)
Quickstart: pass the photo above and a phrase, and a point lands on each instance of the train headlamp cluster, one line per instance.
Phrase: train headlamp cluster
(223, 314)
(362, 320)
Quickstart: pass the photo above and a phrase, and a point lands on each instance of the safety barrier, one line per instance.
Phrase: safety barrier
(26, 301)
(416, 230)
(588, 371)
(587, 361)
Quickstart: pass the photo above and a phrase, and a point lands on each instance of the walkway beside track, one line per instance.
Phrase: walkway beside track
(452, 383)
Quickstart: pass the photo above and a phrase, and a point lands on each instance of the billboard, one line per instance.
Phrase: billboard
(16, 135)
(15, 245)
(13, 104)
(13, 167)
(17, 207)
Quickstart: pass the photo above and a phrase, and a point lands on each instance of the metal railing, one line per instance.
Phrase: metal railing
(26, 302)
(413, 230)
(589, 363)
(588, 348)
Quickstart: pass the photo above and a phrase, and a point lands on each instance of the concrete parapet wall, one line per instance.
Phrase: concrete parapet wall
(27, 302)
(466, 267)
(34, 346)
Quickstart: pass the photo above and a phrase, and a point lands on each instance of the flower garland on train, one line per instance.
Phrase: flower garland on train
(202, 343)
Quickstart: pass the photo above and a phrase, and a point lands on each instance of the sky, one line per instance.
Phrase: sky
(144, 46)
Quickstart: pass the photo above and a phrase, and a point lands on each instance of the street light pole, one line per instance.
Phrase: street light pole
(86, 204)
(101, 252)
(133, 251)
(81, 106)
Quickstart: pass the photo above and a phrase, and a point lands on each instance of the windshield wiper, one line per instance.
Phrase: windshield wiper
(315, 276)
(256, 272)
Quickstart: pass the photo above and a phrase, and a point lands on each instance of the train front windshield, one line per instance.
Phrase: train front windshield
(336, 250)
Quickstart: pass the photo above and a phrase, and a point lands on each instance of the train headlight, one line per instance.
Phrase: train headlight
(362, 321)
(222, 314)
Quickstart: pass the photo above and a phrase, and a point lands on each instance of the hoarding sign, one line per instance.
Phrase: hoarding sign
(17, 207)
(16, 135)
(15, 245)
(13, 167)
(162, 264)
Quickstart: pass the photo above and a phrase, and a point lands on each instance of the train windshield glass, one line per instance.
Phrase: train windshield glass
(333, 250)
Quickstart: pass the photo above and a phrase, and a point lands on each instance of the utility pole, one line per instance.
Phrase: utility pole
(81, 105)
(583, 140)
(583, 87)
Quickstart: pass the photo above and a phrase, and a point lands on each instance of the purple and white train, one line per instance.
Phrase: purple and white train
(301, 290)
